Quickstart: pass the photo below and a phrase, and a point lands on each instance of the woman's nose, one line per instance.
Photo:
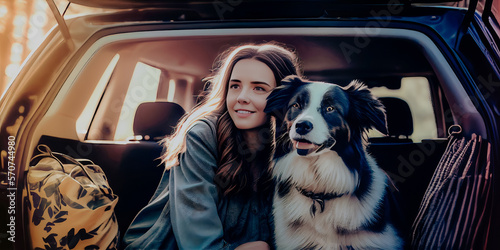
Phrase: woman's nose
(243, 96)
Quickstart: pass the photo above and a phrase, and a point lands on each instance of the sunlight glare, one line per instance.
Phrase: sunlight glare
(12, 70)
(3, 11)
(171, 90)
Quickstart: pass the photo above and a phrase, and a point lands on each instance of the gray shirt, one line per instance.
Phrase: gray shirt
(188, 206)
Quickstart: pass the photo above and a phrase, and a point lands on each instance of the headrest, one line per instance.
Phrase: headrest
(157, 119)
(399, 118)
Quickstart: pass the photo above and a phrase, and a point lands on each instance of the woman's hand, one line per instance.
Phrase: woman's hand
(254, 245)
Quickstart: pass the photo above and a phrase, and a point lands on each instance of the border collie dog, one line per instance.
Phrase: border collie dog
(330, 194)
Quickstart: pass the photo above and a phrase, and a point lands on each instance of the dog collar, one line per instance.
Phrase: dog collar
(319, 198)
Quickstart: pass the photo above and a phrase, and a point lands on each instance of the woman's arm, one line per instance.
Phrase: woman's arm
(194, 198)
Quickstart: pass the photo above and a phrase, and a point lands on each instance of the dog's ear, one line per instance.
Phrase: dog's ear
(367, 110)
(278, 100)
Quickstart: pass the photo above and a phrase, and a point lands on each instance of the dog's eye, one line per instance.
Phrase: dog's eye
(296, 105)
(330, 109)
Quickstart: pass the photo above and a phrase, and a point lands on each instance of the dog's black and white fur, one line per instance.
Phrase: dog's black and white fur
(330, 194)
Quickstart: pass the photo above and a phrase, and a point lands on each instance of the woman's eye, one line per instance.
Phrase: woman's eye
(233, 86)
(260, 89)
(330, 109)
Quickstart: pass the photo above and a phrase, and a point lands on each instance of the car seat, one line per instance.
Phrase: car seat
(155, 120)
(399, 121)
(140, 167)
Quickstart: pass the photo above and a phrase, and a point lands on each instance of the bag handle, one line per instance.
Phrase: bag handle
(454, 130)
(46, 152)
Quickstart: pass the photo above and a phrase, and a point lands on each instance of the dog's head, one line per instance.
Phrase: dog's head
(321, 116)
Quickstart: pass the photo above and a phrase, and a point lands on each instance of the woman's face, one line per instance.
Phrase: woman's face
(249, 85)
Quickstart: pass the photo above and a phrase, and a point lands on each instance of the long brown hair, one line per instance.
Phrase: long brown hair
(232, 175)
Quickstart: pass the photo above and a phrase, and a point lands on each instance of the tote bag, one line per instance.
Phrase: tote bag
(70, 205)
(454, 213)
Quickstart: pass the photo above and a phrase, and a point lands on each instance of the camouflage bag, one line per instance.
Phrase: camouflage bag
(70, 205)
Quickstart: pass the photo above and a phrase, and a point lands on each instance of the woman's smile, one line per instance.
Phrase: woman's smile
(242, 113)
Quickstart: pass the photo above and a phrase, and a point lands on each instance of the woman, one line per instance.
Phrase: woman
(217, 192)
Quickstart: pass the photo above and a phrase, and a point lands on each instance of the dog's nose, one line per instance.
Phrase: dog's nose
(303, 127)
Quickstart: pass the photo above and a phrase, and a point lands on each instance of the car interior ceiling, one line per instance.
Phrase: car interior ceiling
(134, 170)
(320, 56)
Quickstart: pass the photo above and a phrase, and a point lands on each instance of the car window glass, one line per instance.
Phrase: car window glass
(495, 7)
(143, 88)
(83, 121)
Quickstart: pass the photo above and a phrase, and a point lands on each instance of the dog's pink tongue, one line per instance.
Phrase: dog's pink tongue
(304, 145)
